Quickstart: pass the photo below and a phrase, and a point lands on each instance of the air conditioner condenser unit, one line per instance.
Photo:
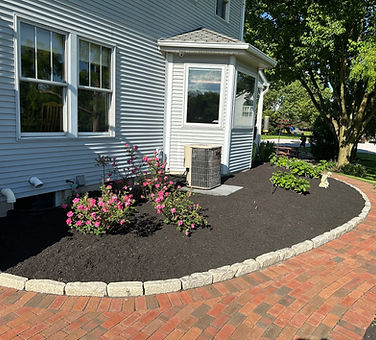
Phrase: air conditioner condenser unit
(204, 165)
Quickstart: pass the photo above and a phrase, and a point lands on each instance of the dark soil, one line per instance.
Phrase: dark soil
(248, 223)
(370, 332)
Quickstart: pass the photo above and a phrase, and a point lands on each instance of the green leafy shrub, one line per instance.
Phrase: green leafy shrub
(103, 214)
(262, 152)
(288, 181)
(298, 166)
(324, 165)
(280, 161)
(354, 169)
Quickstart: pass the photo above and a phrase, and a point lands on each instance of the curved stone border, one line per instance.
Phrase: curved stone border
(138, 288)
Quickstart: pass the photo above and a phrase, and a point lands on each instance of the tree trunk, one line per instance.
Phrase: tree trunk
(344, 154)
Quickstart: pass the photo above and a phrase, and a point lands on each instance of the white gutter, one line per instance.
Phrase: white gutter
(174, 46)
(260, 105)
(9, 195)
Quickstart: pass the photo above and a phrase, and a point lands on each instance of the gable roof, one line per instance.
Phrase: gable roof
(204, 41)
(203, 35)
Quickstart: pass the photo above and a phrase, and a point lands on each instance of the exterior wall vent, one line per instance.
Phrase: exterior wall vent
(204, 165)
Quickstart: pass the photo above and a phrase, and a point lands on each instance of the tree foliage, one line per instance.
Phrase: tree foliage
(327, 46)
(292, 102)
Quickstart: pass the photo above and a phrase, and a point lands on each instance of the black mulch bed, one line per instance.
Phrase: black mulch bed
(248, 223)
(370, 331)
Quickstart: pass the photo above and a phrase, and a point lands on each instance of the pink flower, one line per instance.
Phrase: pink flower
(157, 185)
(105, 210)
(187, 233)
(64, 205)
(179, 187)
(76, 200)
(88, 222)
(173, 210)
(122, 222)
(171, 182)
(92, 202)
(109, 187)
(78, 223)
(69, 221)
(155, 151)
(80, 207)
(93, 214)
(192, 226)
(135, 147)
(180, 222)
(144, 159)
(97, 224)
(70, 213)
(86, 208)
(126, 145)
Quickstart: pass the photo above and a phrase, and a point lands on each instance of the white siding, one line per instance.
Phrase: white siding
(182, 134)
(134, 27)
(240, 149)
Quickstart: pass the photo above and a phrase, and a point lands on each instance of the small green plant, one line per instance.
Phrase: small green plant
(354, 169)
(288, 181)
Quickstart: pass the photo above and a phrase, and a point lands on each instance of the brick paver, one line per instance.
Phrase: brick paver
(328, 292)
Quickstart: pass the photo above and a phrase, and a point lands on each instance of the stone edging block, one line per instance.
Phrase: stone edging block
(86, 289)
(162, 286)
(223, 273)
(196, 280)
(45, 286)
(137, 288)
(12, 281)
(268, 259)
(124, 289)
(302, 247)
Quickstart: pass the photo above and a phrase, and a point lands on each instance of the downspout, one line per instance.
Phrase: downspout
(243, 21)
(260, 105)
(9, 195)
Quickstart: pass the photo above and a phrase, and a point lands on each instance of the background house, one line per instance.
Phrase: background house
(81, 78)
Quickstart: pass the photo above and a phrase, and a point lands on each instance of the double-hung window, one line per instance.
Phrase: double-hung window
(57, 98)
(42, 85)
(94, 91)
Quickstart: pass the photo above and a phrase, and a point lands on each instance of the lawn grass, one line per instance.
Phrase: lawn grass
(285, 136)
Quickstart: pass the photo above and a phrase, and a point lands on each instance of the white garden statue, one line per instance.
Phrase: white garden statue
(324, 180)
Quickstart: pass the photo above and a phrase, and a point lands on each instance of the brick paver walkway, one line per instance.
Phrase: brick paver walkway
(329, 292)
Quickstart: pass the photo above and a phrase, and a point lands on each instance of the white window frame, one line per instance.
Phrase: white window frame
(111, 90)
(222, 93)
(227, 3)
(71, 70)
(255, 76)
(19, 78)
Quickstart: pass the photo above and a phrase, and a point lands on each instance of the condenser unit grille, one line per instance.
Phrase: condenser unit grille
(205, 170)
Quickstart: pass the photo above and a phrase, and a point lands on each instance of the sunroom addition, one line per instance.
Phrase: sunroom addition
(211, 96)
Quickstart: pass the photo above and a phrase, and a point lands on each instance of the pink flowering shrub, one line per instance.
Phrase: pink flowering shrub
(180, 210)
(150, 181)
(103, 214)
(175, 205)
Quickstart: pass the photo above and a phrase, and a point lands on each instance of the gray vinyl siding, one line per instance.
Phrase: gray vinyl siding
(240, 149)
(133, 27)
(182, 134)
